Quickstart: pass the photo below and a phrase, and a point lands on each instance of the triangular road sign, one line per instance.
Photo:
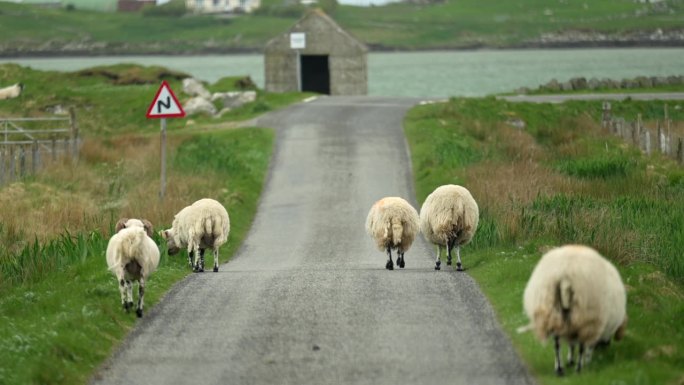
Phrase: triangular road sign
(165, 104)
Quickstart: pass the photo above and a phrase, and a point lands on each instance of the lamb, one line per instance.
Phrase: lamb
(577, 295)
(11, 91)
(393, 223)
(132, 256)
(448, 218)
(204, 224)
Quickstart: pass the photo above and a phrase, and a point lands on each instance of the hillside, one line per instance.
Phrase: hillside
(405, 26)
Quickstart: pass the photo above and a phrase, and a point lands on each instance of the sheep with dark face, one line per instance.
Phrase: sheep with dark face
(448, 219)
(577, 295)
(132, 256)
(202, 225)
(12, 91)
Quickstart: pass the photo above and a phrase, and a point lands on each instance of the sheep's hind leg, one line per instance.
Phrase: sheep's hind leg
(558, 362)
(458, 258)
(216, 255)
(191, 258)
(571, 354)
(390, 264)
(129, 296)
(400, 260)
(141, 296)
(201, 259)
(198, 268)
(580, 357)
(438, 262)
(122, 290)
(449, 247)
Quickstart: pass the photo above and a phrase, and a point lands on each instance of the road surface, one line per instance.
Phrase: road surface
(560, 98)
(307, 299)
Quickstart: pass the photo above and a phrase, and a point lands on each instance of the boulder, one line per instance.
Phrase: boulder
(198, 105)
(194, 87)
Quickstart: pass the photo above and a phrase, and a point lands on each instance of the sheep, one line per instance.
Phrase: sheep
(393, 223)
(144, 223)
(132, 256)
(11, 91)
(577, 295)
(448, 218)
(204, 224)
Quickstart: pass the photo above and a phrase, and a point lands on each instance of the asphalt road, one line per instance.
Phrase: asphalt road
(560, 98)
(307, 300)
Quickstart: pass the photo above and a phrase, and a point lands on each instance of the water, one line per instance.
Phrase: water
(428, 74)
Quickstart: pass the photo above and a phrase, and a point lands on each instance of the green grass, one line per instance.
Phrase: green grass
(60, 312)
(455, 24)
(60, 308)
(563, 180)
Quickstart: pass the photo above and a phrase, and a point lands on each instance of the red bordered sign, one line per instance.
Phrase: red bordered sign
(165, 104)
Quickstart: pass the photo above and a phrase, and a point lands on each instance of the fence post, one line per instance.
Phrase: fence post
(54, 149)
(680, 150)
(22, 161)
(2, 165)
(605, 122)
(74, 134)
(12, 164)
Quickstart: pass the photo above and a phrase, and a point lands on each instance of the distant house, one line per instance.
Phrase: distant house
(133, 5)
(222, 6)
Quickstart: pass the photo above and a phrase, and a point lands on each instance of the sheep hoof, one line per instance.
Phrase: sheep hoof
(215, 269)
(401, 263)
(198, 269)
(389, 265)
(138, 312)
(560, 372)
(448, 263)
(437, 264)
(128, 306)
(437, 267)
(458, 267)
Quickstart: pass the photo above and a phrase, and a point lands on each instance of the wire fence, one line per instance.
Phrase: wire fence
(660, 137)
(29, 144)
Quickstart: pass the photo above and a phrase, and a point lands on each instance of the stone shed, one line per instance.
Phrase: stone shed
(316, 55)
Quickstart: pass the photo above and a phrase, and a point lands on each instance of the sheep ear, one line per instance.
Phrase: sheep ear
(121, 224)
(148, 227)
(164, 234)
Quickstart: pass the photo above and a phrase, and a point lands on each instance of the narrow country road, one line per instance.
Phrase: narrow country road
(307, 299)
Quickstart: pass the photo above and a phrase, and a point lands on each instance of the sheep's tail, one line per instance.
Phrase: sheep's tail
(565, 294)
(397, 231)
(130, 245)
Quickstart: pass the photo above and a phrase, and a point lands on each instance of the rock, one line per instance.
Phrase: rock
(593, 84)
(553, 86)
(199, 105)
(566, 86)
(235, 99)
(578, 83)
(194, 87)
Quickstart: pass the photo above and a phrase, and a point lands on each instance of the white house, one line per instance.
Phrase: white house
(221, 6)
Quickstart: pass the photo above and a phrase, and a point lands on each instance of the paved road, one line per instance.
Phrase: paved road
(560, 98)
(307, 300)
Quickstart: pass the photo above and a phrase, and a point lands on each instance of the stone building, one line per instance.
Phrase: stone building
(316, 55)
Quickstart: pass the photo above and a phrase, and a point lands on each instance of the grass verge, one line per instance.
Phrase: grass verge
(563, 180)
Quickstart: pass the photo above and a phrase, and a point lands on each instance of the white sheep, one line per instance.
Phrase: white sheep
(144, 223)
(11, 91)
(393, 224)
(577, 295)
(448, 218)
(204, 224)
(132, 256)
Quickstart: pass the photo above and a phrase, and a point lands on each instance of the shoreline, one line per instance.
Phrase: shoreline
(56, 53)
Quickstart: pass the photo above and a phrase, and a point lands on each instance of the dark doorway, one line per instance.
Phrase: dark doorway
(315, 74)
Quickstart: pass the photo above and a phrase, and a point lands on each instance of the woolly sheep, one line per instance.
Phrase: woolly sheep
(393, 223)
(11, 91)
(144, 223)
(577, 295)
(132, 256)
(448, 218)
(204, 224)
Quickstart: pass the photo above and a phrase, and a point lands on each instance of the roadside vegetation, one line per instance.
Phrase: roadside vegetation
(562, 179)
(60, 312)
(406, 26)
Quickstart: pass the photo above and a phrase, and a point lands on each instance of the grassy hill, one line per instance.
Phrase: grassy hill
(448, 24)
